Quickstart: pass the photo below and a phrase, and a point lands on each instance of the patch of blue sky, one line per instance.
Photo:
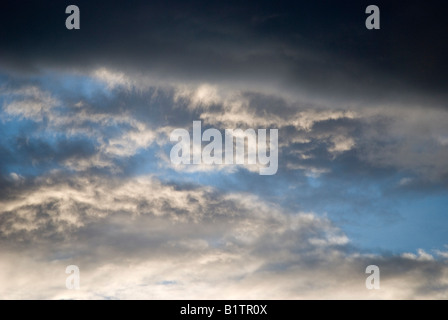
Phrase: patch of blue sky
(422, 223)
(12, 127)
(5, 99)
(380, 214)
(32, 152)
(3, 77)
(233, 180)
(25, 170)
(148, 162)
(167, 283)
(376, 213)
(314, 181)
(74, 85)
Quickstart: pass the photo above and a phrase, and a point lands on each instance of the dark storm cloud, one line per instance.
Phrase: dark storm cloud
(320, 46)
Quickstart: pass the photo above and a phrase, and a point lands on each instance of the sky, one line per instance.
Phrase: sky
(86, 177)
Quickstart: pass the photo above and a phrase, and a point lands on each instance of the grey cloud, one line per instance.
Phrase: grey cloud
(238, 43)
(204, 243)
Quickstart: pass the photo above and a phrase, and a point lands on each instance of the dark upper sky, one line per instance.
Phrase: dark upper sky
(311, 44)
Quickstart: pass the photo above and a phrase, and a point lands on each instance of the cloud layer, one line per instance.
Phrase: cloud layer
(140, 238)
